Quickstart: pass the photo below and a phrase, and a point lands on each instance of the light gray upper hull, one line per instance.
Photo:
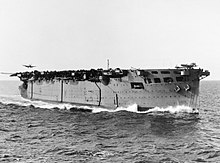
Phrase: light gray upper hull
(124, 91)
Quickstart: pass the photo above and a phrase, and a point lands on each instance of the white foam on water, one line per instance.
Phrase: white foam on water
(174, 109)
(18, 100)
(134, 108)
(13, 99)
(177, 109)
(130, 108)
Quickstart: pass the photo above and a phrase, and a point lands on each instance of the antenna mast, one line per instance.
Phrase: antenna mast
(107, 64)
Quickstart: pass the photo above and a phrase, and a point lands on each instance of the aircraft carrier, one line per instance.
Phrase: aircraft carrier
(112, 88)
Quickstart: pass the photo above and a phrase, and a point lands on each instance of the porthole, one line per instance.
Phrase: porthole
(148, 80)
(177, 72)
(157, 80)
(168, 80)
(179, 79)
(154, 72)
(165, 72)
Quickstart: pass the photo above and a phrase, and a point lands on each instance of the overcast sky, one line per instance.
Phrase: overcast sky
(83, 34)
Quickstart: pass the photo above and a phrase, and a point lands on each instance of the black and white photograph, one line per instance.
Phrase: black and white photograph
(109, 81)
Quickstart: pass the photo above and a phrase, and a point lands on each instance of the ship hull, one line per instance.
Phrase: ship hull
(155, 90)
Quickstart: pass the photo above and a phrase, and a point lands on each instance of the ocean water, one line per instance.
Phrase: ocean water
(36, 131)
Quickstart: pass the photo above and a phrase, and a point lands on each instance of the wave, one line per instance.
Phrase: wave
(18, 100)
(170, 109)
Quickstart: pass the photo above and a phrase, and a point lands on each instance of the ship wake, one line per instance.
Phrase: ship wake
(170, 109)
(17, 100)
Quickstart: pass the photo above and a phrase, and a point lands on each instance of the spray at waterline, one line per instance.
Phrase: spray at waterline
(17, 100)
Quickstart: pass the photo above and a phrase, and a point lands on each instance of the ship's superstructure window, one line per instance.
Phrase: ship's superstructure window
(179, 79)
(137, 85)
(149, 80)
(168, 80)
(165, 72)
(157, 80)
(154, 72)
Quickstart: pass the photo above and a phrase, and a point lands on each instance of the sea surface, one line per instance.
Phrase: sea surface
(41, 132)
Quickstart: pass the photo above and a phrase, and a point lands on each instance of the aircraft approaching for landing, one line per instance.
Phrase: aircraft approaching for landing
(29, 66)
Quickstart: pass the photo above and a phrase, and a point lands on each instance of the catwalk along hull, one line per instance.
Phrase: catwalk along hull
(147, 88)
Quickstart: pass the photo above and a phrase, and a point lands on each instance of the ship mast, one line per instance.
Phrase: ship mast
(107, 64)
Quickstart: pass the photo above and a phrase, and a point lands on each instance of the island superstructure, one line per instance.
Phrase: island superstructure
(112, 88)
